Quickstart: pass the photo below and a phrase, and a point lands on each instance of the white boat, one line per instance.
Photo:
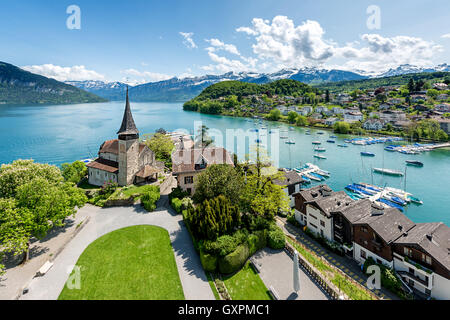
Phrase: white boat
(389, 172)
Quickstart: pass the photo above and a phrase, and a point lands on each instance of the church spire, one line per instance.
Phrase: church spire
(128, 127)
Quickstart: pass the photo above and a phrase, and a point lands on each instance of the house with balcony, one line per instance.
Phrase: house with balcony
(373, 124)
(442, 97)
(337, 110)
(392, 115)
(443, 107)
(422, 259)
(315, 206)
(374, 234)
(353, 116)
(306, 110)
(291, 184)
(331, 121)
(187, 164)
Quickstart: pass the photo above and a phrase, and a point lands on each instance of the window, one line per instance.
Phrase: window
(313, 216)
(312, 225)
(426, 259)
(411, 270)
(428, 292)
(322, 223)
(364, 229)
(189, 180)
(407, 252)
(363, 254)
(189, 190)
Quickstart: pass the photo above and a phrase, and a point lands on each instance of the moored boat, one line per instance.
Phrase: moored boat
(414, 163)
(318, 156)
(316, 142)
(368, 154)
(389, 172)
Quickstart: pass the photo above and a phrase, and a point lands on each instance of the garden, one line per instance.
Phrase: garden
(107, 274)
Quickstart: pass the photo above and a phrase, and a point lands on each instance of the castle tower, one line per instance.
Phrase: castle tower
(128, 147)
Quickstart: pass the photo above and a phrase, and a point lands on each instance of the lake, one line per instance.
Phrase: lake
(65, 133)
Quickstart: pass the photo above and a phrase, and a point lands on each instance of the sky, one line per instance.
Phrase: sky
(138, 41)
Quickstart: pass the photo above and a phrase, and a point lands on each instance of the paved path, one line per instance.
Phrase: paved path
(277, 270)
(347, 265)
(103, 221)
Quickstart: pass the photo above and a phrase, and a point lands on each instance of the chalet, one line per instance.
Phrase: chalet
(384, 106)
(187, 164)
(321, 109)
(316, 116)
(420, 107)
(291, 182)
(306, 110)
(392, 115)
(331, 121)
(337, 110)
(314, 207)
(353, 116)
(402, 124)
(415, 98)
(374, 234)
(443, 107)
(373, 124)
(442, 97)
(440, 86)
(444, 123)
(421, 258)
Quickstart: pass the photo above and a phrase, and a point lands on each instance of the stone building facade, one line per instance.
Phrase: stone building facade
(124, 160)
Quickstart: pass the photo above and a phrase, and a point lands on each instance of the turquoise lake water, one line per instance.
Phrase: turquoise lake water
(65, 133)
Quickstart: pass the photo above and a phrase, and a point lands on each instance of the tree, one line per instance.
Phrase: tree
(341, 127)
(213, 218)
(327, 96)
(162, 146)
(218, 179)
(381, 97)
(274, 115)
(74, 172)
(161, 131)
(411, 85)
(302, 121)
(262, 197)
(203, 140)
(232, 102)
(292, 116)
(34, 199)
(433, 93)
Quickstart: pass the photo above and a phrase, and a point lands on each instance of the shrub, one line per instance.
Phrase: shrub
(209, 261)
(276, 239)
(185, 202)
(235, 260)
(178, 193)
(176, 204)
(150, 198)
(291, 219)
(225, 244)
(257, 241)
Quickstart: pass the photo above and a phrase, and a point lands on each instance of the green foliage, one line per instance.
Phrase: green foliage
(235, 260)
(348, 86)
(34, 199)
(209, 261)
(178, 193)
(341, 127)
(274, 115)
(213, 218)
(216, 180)
(176, 205)
(150, 198)
(276, 238)
(427, 129)
(225, 244)
(162, 146)
(22, 87)
(74, 172)
(257, 241)
(292, 117)
(291, 219)
(302, 121)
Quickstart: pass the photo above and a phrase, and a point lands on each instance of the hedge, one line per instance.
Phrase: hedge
(176, 204)
(235, 260)
(257, 241)
(276, 239)
(209, 261)
(149, 198)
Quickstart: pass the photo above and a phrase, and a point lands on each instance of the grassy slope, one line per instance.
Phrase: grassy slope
(135, 263)
(246, 285)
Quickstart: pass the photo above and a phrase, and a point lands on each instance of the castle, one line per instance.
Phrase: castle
(124, 160)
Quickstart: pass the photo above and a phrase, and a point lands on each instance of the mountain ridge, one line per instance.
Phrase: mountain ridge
(183, 89)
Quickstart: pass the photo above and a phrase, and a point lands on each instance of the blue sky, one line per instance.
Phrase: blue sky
(146, 40)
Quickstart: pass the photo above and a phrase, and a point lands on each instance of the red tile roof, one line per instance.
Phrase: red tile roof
(104, 165)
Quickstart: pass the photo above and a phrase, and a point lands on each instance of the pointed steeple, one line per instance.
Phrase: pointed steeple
(128, 127)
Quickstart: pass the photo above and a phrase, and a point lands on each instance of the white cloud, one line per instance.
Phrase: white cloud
(377, 53)
(74, 73)
(219, 45)
(288, 45)
(145, 76)
(188, 41)
(223, 64)
(446, 36)
(280, 43)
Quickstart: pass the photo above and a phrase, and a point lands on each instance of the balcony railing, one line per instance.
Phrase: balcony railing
(414, 277)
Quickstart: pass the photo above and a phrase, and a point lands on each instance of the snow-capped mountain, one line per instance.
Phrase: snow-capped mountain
(407, 69)
(183, 89)
(107, 90)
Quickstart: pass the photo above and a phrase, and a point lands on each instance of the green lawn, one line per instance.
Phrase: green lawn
(129, 191)
(135, 263)
(246, 285)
